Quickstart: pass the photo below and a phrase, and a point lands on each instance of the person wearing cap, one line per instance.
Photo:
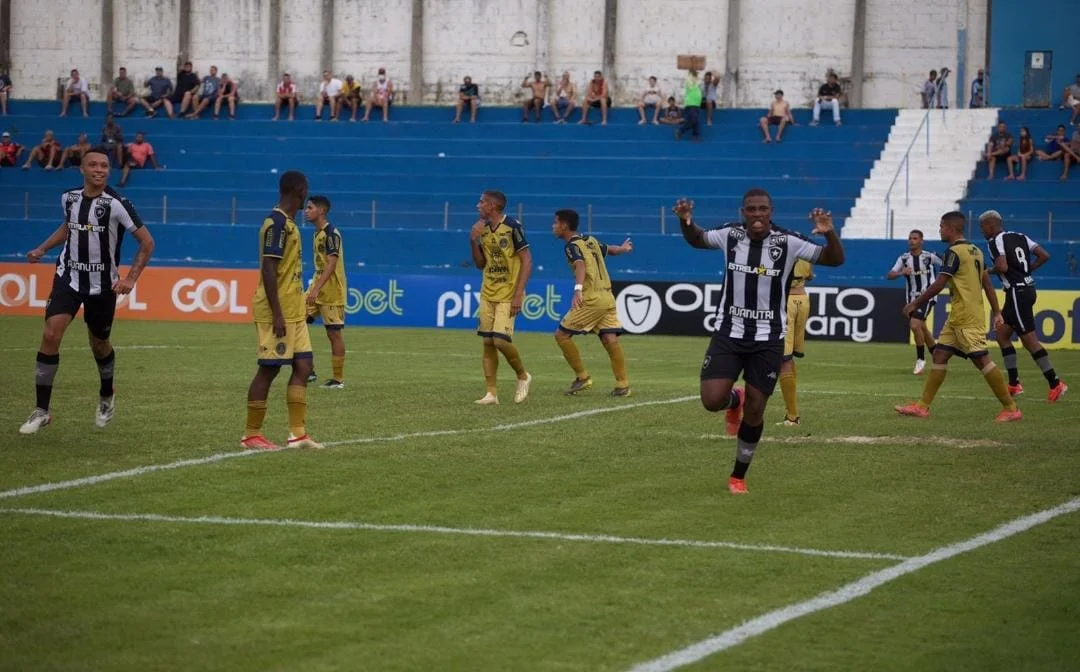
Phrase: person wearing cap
(123, 90)
(9, 151)
(382, 95)
(779, 115)
(160, 88)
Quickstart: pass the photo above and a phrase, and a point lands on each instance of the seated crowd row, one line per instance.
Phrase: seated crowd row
(1058, 146)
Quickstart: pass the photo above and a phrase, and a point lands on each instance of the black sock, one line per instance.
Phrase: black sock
(733, 401)
(45, 372)
(105, 367)
(920, 352)
(745, 447)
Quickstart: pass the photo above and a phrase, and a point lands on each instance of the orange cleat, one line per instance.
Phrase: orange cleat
(1057, 392)
(737, 486)
(1016, 390)
(914, 410)
(734, 416)
(258, 442)
(1007, 415)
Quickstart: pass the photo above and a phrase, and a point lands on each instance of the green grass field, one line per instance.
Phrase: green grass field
(416, 540)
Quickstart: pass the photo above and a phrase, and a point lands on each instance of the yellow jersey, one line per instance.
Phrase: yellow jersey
(596, 290)
(279, 238)
(964, 265)
(802, 272)
(328, 244)
(501, 245)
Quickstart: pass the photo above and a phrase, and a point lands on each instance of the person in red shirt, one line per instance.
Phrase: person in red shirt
(138, 153)
(9, 151)
(47, 154)
(286, 95)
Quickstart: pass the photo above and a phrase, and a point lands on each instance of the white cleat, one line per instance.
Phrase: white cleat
(36, 421)
(105, 411)
(522, 391)
(304, 441)
(489, 399)
(919, 366)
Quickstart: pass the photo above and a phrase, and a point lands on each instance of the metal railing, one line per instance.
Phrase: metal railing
(905, 162)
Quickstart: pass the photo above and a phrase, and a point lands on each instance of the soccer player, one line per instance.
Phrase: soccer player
(752, 314)
(593, 307)
(1014, 258)
(280, 319)
(964, 333)
(87, 277)
(798, 311)
(916, 266)
(499, 249)
(326, 295)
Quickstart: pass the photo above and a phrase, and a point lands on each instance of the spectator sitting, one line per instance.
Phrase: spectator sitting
(978, 90)
(123, 90)
(596, 95)
(651, 98)
(73, 155)
(9, 151)
(691, 108)
(565, 99)
(350, 95)
(1055, 144)
(672, 115)
(329, 94)
(286, 95)
(76, 89)
(5, 92)
(187, 81)
(468, 94)
(382, 96)
(1023, 154)
(208, 91)
(710, 91)
(779, 115)
(112, 137)
(539, 85)
(229, 94)
(1071, 152)
(999, 147)
(137, 154)
(828, 95)
(935, 93)
(1071, 99)
(160, 88)
(47, 154)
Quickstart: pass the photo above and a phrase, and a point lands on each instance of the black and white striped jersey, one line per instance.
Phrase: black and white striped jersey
(90, 260)
(753, 305)
(922, 268)
(1018, 251)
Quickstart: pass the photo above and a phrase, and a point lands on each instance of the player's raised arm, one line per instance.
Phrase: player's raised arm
(692, 233)
(614, 250)
(479, 260)
(833, 252)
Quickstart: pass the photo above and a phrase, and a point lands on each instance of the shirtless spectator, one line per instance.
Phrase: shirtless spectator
(709, 88)
(73, 155)
(5, 92)
(229, 94)
(1070, 99)
(350, 96)
(382, 96)
(47, 154)
(160, 88)
(138, 153)
(672, 115)
(112, 137)
(779, 115)
(1071, 152)
(329, 94)
(122, 90)
(285, 95)
(187, 81)
(828, 95)
(1055, 146)
(565, 99)
(650, 98)
(538, 86)
(76, 89)
(208, 92)
(596, 95)
(9, 151)
(468, 96)
(999, 147)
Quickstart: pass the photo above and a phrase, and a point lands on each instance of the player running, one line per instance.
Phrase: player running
(280, 319)
(326, 295)
(752, 314)
(964, 333)
(593, 306)
(1014, 259)
(499, 249)
(916, 266)
(88, 277)
(798, 311)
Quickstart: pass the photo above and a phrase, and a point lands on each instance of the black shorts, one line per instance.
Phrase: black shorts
(1019, 310)
(758, 361)
(596, 103)
(98, 309)
(923, 311)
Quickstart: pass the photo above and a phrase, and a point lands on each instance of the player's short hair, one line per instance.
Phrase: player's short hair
(917, 232)
(568, 217)
(756, 191)
(292, 182)
(955, 219)
(498, 197)
(320, 201)
(99, 149)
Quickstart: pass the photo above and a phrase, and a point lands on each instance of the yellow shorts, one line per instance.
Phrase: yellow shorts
(586, 320)
(274, 351)
(963, 341)
(333, 317)
(495, 320)
(798, 310)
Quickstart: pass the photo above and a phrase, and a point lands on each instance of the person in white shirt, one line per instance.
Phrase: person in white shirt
(382, 95)
(329, 94)
(650, 98)
(76, 88)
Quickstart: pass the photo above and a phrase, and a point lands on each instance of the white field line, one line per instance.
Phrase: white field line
(467, 531)
(847, 593)
(218, 457)
(944, 441)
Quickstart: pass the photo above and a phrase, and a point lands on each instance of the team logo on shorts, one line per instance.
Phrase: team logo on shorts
(280, 349)
(705, 364)
(775, 253)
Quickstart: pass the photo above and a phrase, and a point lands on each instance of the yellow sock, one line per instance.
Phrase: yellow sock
(787, 388)
(296, 399)
(513, 358)
(997, 383)
(491, 367)
(933, 384)
(338, 365)
(256, 413)
(618, 363)
(572, 355)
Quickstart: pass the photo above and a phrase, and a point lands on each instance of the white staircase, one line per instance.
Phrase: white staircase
(935, 182)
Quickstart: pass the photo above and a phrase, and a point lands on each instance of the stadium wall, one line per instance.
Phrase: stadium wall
(783, 43)
(1056, 32)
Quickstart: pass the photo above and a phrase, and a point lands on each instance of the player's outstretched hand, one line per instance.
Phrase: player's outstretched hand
(822, 221)
(35, 255)
(477, 230)
(684, 209)
(627, 246)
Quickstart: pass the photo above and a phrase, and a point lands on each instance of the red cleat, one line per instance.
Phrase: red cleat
(914, 410)
(1016, 390)
(258, 442)
(1009, 416)
(1057, 392)
(737, 486)
(734, 416)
